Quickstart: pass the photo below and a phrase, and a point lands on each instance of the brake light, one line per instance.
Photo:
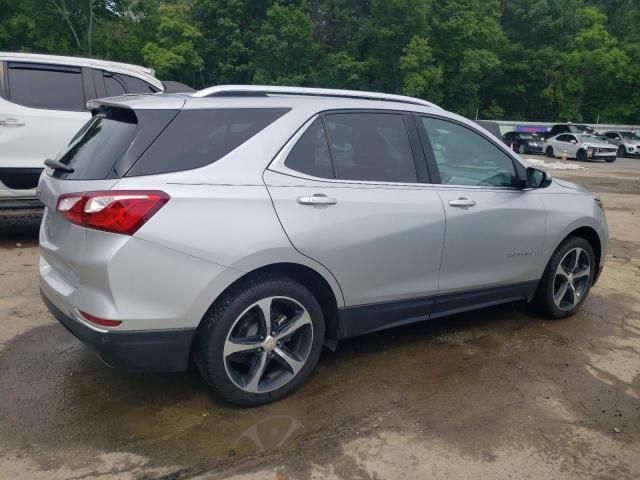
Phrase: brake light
(99, 321)
(116, 211)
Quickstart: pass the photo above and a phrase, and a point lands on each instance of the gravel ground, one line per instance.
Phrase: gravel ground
(498, 393)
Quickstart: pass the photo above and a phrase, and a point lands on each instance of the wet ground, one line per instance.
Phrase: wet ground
(498, 393)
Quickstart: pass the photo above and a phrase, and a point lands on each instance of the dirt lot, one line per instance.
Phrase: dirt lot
(499, 393)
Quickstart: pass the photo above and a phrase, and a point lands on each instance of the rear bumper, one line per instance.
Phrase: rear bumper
(151, 351)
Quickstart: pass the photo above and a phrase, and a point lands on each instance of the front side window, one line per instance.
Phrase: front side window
(563, 138)
(371, 147)
(466, 158)
(52, 87)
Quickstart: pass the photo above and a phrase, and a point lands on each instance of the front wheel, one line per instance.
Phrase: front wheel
(567, 279)
(549, 152)
(523, 149)
(261, 341)
(581, 156)
(622, 152)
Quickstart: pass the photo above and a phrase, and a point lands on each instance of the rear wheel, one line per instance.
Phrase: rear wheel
(549, 152)
(567, 279)
(261, 341)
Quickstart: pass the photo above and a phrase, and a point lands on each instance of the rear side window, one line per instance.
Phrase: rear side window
(99, 145)
(120, 84)
(200, 137)
(53, 87)
(371, 147)
(310, 155)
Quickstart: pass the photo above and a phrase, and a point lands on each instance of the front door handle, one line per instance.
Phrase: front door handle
(462, 202)
(317, 199)
(11, 122)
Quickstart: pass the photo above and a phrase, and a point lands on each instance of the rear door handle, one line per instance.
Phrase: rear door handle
(462, 202)
(317, 199)
(11, 122)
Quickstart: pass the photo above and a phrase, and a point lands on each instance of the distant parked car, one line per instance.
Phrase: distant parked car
(569, 128)
(581, 146)
(628, 143)
(43, 104)
(524, 142)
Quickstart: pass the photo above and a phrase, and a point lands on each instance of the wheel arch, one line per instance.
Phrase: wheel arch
(591, 236)
(320, 287)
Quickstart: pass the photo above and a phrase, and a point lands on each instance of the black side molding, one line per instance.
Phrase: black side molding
(361, 319)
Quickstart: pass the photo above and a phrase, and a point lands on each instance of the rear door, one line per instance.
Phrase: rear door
(352, 193)
(495, 231)
(43, 107)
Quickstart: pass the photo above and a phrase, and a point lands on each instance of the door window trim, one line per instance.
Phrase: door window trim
(520, 170)
(422, 170)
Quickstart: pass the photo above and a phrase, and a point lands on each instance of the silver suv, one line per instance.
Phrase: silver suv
(245, 227)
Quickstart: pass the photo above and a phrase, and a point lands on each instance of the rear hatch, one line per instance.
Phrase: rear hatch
(98, 156)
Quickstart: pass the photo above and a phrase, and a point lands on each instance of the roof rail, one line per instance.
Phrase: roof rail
(263, 90)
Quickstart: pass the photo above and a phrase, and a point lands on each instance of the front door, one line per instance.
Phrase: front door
(495, 231)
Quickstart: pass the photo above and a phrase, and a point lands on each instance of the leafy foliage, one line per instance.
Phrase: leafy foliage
(573, 60)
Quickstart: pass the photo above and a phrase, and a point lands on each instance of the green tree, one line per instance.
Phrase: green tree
(285, 48)
(174, 53)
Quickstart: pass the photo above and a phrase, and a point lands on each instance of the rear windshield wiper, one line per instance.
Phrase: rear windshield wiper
(58, 166)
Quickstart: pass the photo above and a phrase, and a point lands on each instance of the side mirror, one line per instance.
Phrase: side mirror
(537, 178)
(574, 142)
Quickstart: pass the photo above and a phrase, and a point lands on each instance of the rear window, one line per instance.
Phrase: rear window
(201, 137)
(99, 145)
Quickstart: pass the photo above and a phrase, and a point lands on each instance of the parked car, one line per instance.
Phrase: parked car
(569, 128)
(628, 143)
(43, 104)
(523, 142)
(245, 226)
(581, 146)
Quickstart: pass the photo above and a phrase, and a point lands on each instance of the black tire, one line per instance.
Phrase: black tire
(543, 299)
(622, 152)
(611, 160)
(523, 149)
(212, 335)
(549, 152)
(581, 156)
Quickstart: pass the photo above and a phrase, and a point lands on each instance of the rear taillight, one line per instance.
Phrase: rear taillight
(116, 211)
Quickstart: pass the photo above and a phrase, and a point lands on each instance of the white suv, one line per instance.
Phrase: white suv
(43, 104)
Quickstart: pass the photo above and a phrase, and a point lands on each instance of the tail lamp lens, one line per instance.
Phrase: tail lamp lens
(116, 211)
(103, 322)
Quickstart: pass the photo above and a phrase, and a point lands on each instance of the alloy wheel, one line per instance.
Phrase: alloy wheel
(571, 279)
(268, 344)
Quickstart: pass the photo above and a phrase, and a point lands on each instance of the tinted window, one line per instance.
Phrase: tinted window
(120, 84)
(371, 147)
(46, 86)
(310, 154)
(114, 85)
(563, 138)
(200, 137)
(467, 158)
(101, 143)
(135, 85)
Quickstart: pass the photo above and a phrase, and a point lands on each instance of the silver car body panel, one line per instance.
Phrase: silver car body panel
(381, 242)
